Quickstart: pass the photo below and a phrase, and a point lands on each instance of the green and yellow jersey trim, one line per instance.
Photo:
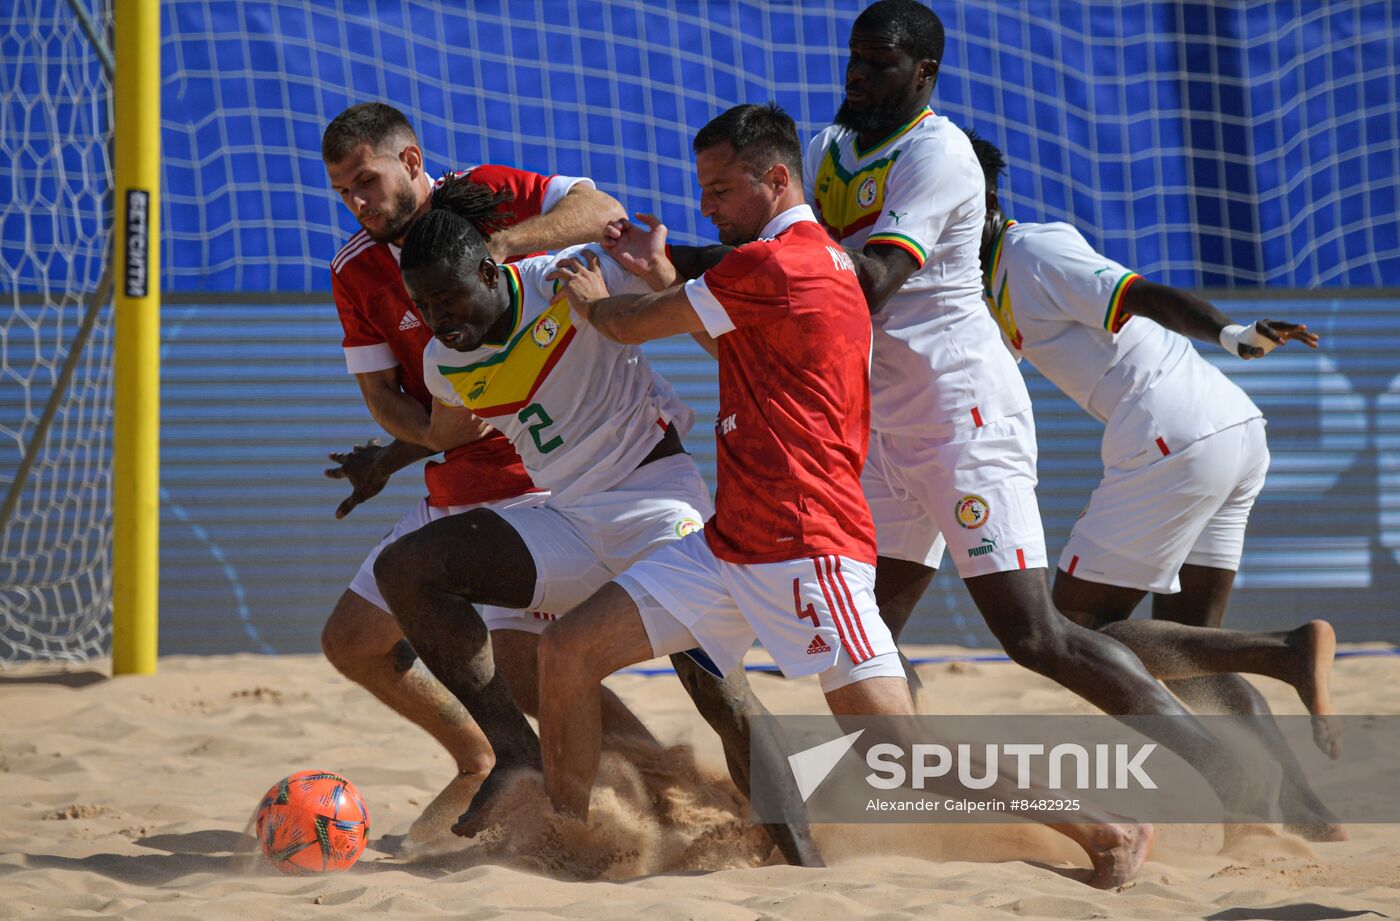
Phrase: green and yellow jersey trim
(1000, 303)
(898, 133)
(508, 380)
(517, 297)
(996, 256)
(848, 201)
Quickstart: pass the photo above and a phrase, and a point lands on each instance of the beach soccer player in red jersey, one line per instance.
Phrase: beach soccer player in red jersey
(789, 555)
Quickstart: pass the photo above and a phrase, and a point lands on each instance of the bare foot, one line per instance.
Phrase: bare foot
(1316, 643)
(479, 814)
(1307, 816)
(1317, 831)
(438, 817)
(1117, 852)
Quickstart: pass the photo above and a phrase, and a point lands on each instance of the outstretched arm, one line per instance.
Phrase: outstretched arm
(693, 261)
(882, 269)
(645, 254)
(636, 318)
(582, 216)
(627, 318)
(368, 467)
(1189, 315)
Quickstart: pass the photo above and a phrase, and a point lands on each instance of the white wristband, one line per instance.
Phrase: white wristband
(1234, 336)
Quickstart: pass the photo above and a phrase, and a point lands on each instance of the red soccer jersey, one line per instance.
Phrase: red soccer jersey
(794, 395)
(383, 330)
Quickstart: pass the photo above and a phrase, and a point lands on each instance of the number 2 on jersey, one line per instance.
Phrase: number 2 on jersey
(542, 421)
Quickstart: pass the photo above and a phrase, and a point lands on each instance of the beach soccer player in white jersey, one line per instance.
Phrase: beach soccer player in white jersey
(596, 427)
(952, 449)
(789, 555)
(1184, 457)
(374, 163)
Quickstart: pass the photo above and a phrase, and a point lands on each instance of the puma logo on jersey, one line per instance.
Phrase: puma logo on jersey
(897, 215)
(410, 321)
(841, 259)
(726, 425)
(1101, 271)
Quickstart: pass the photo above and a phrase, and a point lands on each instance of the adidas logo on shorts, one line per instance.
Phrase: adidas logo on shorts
(410, 321)
(818, 646)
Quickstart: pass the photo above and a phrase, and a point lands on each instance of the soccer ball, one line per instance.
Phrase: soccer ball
(312, 822)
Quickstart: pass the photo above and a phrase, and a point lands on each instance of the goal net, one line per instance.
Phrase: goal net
(1207, 145)
(55, 222)
(1210, 145)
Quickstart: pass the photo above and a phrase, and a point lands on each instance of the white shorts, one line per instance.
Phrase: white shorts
(363, 583)
(972, 491)
(510, 619)
(580, 547)
(1191, 506)
(814, 616)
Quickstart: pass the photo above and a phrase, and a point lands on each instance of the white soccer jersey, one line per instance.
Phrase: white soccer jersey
(936, 363)
(1060, 304)
(582, 410)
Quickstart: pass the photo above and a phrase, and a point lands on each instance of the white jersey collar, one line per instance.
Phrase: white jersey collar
(794, 215)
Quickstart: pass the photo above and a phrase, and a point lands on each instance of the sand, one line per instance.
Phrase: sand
(129, 798)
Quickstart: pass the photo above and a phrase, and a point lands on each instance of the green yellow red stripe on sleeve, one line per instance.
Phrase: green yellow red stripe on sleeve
(908, 244)
(1114, 318)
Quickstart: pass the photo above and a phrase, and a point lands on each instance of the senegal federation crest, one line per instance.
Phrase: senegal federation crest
(687, 526)
(972, 511)
(546, 328)
(865, 195)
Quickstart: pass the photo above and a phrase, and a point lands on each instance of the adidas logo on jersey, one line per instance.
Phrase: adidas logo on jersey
(817, 646)
(410, 321)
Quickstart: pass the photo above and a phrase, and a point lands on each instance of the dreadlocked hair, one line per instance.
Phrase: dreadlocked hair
(475, 202)
(463, 215)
